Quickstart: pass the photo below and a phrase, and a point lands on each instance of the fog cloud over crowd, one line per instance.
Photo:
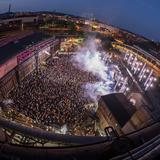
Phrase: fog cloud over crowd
(90, 59)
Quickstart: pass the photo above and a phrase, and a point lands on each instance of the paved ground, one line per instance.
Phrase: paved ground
(11, 49)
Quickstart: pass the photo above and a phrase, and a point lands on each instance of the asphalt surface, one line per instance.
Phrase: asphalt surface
(13, 48)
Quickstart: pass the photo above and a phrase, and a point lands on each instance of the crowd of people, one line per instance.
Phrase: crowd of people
(56, 97)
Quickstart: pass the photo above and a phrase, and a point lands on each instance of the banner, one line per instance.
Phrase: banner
(23, 56)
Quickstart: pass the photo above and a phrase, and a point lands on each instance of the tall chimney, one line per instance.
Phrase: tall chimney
(9, 9)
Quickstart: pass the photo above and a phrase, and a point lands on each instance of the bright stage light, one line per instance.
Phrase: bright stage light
(147, 70)
(155, 79)
(127, 89)
(151, 85)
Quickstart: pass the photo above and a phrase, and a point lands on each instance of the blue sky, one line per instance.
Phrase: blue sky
(139, 16)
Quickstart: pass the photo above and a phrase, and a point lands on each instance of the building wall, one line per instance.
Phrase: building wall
(128, 127)
(140, 118)
(7, 83)
(43, 55)
(8, 66)
(22, 19)
(137, 121)
(27, 67)
(106, 118)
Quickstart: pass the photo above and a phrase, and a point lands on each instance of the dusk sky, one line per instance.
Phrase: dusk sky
(139, 16)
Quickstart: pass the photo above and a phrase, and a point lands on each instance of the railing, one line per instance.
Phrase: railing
(129, 146)
(42, 134)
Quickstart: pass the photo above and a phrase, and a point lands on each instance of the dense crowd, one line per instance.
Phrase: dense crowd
(55, 96)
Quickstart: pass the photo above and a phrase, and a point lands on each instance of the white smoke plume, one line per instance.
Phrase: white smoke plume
(91, 60)
(97, 89)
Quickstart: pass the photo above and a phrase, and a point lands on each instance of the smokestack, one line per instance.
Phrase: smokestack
(9, 9)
